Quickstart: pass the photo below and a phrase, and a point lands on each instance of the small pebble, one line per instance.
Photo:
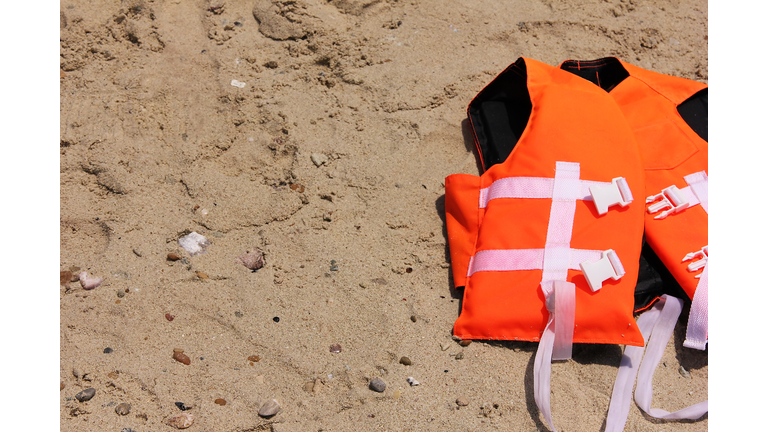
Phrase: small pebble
(377, 385)
(61, 386)
(396, 394)
(462, 401)
(465, 342)
(413, 318)
(252, 259)
(220, 401)
(194, 243)
(406, 361)
(181, 421)
(239, 314)
(276, 319)
(169, 317)
(444, 346)
(123, 409)
(254, 358)
(318, 159)
(459, 356)
(173, 257)
(181, 406)
(65, 277)
(317, 386)
(412, 381)
(86, 394)
(684, 373)
(202, 275)
(108, 350)
(336, 348)
(180, 357)
(121, 293)
(309, 386)
(269, 409)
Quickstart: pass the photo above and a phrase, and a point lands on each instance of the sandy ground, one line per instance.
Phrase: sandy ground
(321, 134)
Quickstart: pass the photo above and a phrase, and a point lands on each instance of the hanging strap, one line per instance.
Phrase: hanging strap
(556, 343)
(697, 333)
(657, 326)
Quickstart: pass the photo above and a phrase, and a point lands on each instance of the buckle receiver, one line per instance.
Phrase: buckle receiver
(615, 193)
(607, 267)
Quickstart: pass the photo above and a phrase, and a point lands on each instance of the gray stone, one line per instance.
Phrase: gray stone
(462, 401)
(377, 385)
(86, 394)
(269, 409)
(319, 159)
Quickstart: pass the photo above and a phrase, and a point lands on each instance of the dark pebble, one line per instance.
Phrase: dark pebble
(377, 385)
(173, 257)
(406, 361)
(181, 406)
(276, 319)
(336, 348)
(413, 318)
(220, 401)
(86, 394)
(108, 350)
(169, 317)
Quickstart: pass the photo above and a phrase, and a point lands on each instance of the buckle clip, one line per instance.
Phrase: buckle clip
(607, 267)
(697, 265)
(671, 198)
(615, 193)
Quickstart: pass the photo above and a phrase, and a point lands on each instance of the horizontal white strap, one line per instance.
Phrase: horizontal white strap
(534, 187)
(527, 259)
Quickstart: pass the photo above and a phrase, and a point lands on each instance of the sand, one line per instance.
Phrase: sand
(321, 134)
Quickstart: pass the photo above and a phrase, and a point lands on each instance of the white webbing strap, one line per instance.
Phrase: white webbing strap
(657, 326)
(557, 260)
(697, 333)
(533, 187)
(524, 259)
(556, 343)
(699, 185)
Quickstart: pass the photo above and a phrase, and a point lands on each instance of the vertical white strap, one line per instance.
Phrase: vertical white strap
(557, 250)
(556, 343)
(697, 334)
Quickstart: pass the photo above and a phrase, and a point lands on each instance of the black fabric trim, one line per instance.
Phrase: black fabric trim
(605, 73)
(500, 112)
(654, 280)
(695, 112)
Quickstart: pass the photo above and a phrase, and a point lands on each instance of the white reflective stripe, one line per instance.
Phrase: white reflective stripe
(697, 334)
(524, 259)
(534, 188)
(699, 184)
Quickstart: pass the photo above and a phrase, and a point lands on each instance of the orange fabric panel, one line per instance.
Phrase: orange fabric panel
(462, 194)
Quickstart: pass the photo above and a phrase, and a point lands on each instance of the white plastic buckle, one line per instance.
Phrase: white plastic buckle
(671, 198)
(615, 193)
(607, 267)
(697, 265)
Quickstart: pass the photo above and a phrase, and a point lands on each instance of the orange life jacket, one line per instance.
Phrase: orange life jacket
(565, 150)
(576, 138)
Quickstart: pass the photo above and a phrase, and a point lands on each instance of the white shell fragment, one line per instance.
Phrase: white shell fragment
(238, 84)
(412, 381)
(89, 283)
(194, 243)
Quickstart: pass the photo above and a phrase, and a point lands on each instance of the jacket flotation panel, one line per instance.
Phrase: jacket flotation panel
(530, 219)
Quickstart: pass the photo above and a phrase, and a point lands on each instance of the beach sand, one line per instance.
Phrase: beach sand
(321, 134)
